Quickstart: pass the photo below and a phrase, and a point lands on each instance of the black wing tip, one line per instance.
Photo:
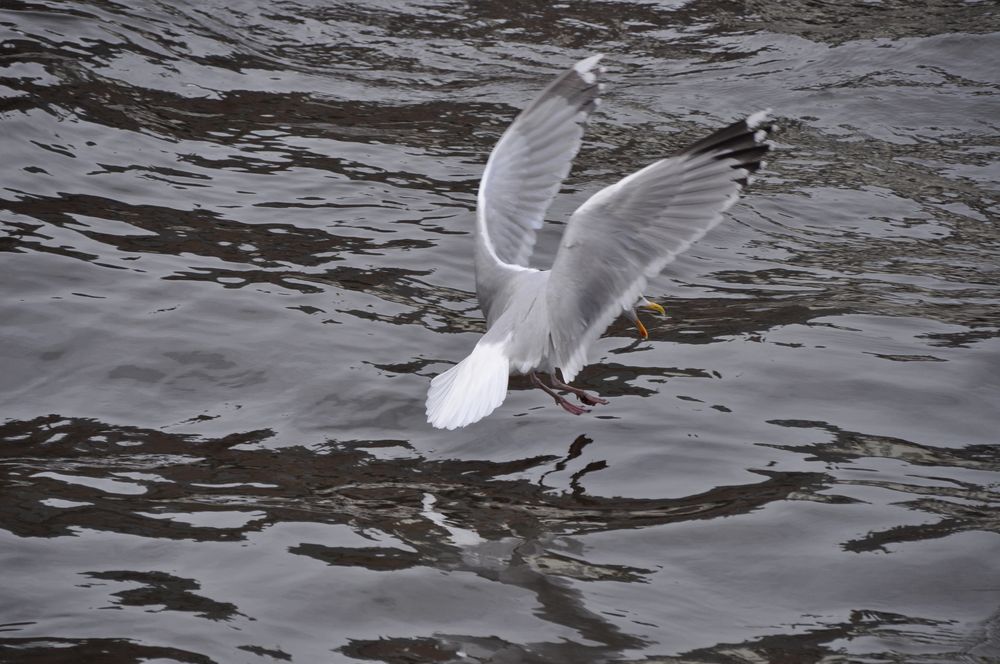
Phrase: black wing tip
(745, 142)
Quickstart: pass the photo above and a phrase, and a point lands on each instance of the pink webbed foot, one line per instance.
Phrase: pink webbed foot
(582, 395)
(566, 405)
(571, 407)
(592, 399)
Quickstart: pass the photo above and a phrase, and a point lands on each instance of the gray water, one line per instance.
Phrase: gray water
(237, 245)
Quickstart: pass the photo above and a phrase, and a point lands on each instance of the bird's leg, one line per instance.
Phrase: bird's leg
(567, 406)
(582, 395)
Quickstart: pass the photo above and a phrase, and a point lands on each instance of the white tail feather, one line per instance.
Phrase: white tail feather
(470, 390)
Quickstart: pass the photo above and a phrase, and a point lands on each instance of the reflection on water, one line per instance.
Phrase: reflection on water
(236, 245)
(406, 513)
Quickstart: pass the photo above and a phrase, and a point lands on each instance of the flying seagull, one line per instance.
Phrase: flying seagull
(546, 320)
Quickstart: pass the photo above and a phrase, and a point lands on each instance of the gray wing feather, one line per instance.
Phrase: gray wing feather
(628, 232)
(525, 170)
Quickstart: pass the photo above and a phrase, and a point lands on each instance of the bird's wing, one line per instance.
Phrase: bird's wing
(628, 232)
(527, 166)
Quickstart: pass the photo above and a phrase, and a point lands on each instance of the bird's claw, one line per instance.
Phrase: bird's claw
(571, 408)
(592, 400)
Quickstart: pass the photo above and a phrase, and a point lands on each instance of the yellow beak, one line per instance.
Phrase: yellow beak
(653, 306)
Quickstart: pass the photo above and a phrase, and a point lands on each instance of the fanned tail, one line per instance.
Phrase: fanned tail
(470, 390)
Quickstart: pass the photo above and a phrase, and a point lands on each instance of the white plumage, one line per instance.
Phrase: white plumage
(472, 389)
(546, 320)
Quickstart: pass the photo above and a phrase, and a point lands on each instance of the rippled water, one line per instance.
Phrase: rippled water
(236, 245)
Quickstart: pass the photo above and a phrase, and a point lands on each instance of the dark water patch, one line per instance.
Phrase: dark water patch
(868, 20)
(50, 649)
(170, 471)
(164, 590)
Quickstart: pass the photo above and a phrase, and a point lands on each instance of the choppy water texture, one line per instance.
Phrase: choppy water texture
(236, 246)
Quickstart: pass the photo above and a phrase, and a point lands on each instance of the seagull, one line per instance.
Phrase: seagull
(541, 321)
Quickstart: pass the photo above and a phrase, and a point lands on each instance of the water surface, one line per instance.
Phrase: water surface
(237, 244)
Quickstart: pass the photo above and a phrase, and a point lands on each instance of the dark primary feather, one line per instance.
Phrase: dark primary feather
(738, 141)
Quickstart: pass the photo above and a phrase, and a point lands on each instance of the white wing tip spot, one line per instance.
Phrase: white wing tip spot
(757, 118)
(585, 68)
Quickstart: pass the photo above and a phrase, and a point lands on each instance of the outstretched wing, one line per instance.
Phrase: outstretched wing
(628, 232)
(525, 170)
